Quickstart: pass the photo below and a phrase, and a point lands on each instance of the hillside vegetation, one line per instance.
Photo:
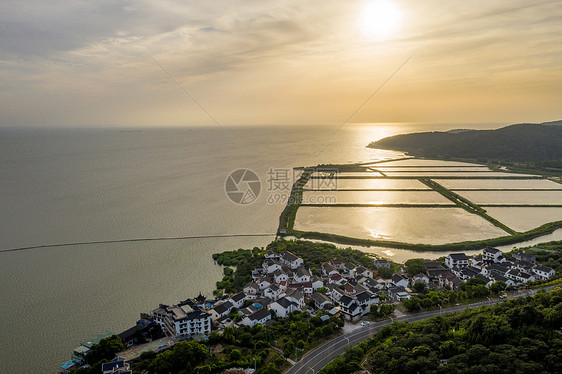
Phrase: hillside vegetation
(539, 143)
(517, 336)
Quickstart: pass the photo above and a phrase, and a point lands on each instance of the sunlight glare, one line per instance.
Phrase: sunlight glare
(380, 18)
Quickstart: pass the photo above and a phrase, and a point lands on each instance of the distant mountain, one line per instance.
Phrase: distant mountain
(522, 142)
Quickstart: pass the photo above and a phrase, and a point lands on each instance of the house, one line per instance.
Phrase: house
(399, 281)
(338, 264)
(317, 282)
(526, 257)
(543, 272)
(363, 271)
(291, 260)
(257, 318)
(279, 275)
(456, 260)
(449, 280)
(495, 268)
(334, 292)
(116, 366)
(421, 278)
(264, 282)
(237, 300)
(328, 269)
(251, 288)
(272, 292)
(402, 295)
(301, 275)
(519, 276)
(270, 265)
(349, 268)
(467, 273)
(492, 255)
(283, 307)
(434, 269)
(221, 310)
(295, 296)
(184, 319)
(350, 308)
(130, 336)
(336, 279)
(366, 299)
(307, 288)
(272, 255)
(382, 264)
(320, 300)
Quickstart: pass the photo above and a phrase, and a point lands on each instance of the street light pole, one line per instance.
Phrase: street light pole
(440, 309)
(296, 357)
(311, 369)
(345, 337)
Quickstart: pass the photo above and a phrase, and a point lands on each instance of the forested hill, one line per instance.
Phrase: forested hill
(522, 142)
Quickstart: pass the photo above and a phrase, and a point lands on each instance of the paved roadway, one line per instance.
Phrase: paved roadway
(316, 359)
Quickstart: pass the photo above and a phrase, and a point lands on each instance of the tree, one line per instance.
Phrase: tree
(420, 287)
(415, 266)
(105, 349)
(412, 305)
(497, 287)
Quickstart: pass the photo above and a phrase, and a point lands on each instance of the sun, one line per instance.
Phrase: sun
(381, 18)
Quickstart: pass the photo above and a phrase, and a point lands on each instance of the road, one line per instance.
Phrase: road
(316, 359)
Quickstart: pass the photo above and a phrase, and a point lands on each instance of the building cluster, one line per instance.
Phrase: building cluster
(283, 285)
(491, 267)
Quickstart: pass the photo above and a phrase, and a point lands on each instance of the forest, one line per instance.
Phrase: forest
(521, 335)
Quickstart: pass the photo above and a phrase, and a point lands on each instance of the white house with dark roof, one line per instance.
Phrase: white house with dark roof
(526, 257)
(317, 282)
(264, 282)
(543, 272)
(273, 292)
(279, 275)
(363, 271)
(492, 255)
(221, 310)
(328, 269)
(301, 275)
(382, 264)
(338, 264)
(237, 300)
(251, 289)
(283, 307)
(295, 296)
(320, 300)
(336, 279)
(269, 266)
(257, 318)
(291, 260)
(456, 260)
(421, 278)
(399, 280)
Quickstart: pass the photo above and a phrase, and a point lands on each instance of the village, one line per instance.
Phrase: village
(283, 285)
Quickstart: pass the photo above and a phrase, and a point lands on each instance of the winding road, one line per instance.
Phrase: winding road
(316, 359)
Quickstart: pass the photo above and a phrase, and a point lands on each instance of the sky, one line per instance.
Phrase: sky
(249, 62)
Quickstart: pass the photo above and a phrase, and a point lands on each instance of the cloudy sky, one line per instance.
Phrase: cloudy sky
(112, 63)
